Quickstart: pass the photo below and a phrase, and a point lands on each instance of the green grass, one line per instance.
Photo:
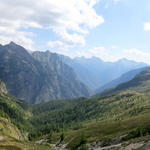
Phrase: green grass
(17, 111)
(97, 118)
(107, 130)
(10, 143)
(75, 115)
(9, 147)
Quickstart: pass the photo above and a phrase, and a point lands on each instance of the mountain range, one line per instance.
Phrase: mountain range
(122, 79)
(38, 77)
(95, 73)
(42, 76)
(140, 83)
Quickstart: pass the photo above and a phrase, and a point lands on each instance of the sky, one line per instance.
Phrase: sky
(108, 29)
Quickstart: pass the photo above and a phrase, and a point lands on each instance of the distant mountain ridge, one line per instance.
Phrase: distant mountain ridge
(122, 79)
(140, 83)
(95, 73)
(29, 78)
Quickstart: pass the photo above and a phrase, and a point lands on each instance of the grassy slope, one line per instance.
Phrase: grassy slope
(17, 111)
(14, 125)
(100, 118)
(119, 106)
(8, 129)
(125, 116)
(108, 129)
(9, 143)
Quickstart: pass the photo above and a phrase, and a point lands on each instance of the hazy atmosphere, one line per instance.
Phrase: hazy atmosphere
(74, 75)
(108, 29)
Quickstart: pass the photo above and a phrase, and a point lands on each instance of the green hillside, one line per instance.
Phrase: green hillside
(140, 83)
(14, 123)
(121, 104)
(99, 118)
(15, 110)
(125, 112)
(113, 119)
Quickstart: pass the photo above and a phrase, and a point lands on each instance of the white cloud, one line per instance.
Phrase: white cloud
(99, 51)
(96, 51)
(114, 54)
(109, 54)
(147, 26)
(116, 1)
(10, 33)
(136, 52)
(114, 47)
(137, 55)
(59, 45)
(70, 38)
(106, 54)
(71, 20)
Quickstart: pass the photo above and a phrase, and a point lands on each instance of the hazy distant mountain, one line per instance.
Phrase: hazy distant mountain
(95, 73)
(122, 79)
(38, 77)
(140, 83)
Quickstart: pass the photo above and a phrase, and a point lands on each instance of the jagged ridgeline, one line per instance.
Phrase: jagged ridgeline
(95, 73)
(38, 77)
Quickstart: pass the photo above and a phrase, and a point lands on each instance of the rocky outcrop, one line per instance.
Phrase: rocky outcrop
(3, 89)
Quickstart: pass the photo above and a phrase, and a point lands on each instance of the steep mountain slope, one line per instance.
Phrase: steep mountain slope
(13, 115)
(140, 83)
(14, 123)
(95, 73)
(20, 72)
(122, 79)
(29, 79)
(62, 80)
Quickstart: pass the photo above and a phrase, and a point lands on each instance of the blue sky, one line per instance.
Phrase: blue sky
(108, 29)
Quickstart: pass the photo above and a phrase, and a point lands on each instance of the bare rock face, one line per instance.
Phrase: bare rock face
(3, 89)
(63, 82)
